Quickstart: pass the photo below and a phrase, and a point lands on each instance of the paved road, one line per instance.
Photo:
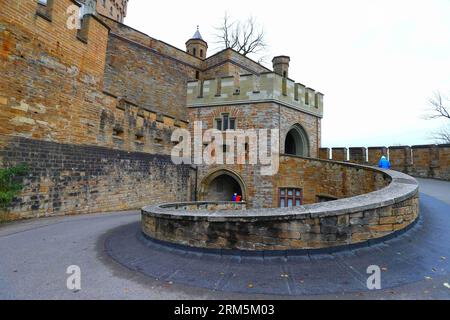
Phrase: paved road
(34, 256)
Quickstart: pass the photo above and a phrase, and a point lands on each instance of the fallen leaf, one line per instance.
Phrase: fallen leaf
(429, 278)
(443, 258)
(250, 285)
(433, 269)
(447, 285)
(384, 269)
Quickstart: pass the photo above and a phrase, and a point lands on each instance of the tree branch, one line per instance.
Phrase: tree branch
(246, 38)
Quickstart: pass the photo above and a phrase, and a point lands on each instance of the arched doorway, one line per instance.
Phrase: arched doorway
(297, 142)
(221, 186)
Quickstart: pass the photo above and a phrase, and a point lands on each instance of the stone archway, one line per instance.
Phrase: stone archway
(297, 142)
(221, 185)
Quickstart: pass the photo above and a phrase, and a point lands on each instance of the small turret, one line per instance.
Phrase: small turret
(196, 46)
(281, 65)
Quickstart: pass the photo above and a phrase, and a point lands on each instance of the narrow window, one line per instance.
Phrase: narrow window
(307, 97)
(201, 53)
(197, 75)
(219, 124)
(194, 51)
(226, 123)
(232, 124)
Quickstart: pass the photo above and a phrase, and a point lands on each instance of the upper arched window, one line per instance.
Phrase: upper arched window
(297, 142)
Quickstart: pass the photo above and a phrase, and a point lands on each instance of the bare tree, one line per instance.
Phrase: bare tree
(442, 136)
(246, 37)
(440, 109)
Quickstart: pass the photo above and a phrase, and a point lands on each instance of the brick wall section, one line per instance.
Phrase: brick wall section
(442, 170)
(424, 160)
(325, 178)
(401, 158)
(325, 153)
(340, 154)
(358, 155)
(69, 179)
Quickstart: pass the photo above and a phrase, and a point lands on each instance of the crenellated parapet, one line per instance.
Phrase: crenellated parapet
(424, 161)
(244, 89)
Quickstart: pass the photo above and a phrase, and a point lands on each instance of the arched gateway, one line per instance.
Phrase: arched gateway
(221, 185)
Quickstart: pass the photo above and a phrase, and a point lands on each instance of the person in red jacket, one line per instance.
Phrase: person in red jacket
(238, 198)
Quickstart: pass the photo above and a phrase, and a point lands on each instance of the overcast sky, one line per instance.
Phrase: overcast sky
(377, 62)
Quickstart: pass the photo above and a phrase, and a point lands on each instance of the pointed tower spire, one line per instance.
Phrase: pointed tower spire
(197, 35)
(196, 46)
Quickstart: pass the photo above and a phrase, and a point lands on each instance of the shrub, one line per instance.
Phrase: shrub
(9, 187)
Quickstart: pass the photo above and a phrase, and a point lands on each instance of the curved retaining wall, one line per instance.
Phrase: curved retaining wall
(338, 223)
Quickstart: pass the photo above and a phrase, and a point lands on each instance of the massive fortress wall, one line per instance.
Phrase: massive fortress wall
(425, 161)
(88, 150)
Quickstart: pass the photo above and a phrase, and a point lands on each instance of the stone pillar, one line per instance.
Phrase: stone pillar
(375, 154)
(358, 155)
(324, 153)
(340, 154)
(400, 157)
(443, 171)
(424, 161)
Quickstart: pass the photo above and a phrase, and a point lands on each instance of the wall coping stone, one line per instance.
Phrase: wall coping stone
(401, 188)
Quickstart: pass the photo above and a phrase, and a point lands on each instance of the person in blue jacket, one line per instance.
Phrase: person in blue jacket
(384, 163)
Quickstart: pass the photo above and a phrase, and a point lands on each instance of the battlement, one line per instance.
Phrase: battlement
(266, 87)
(425, 161)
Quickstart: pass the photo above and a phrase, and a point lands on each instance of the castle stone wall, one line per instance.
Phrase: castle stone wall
(427, 161)
(85, 147)
(147, 79)
(70, 179)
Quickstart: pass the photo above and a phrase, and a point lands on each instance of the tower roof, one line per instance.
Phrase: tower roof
(197, 35)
